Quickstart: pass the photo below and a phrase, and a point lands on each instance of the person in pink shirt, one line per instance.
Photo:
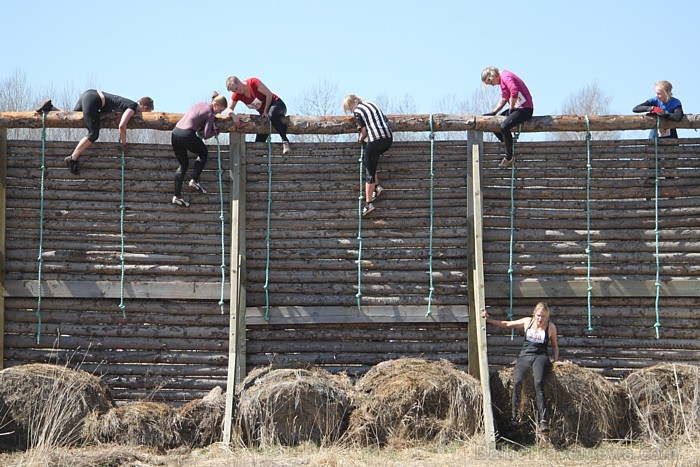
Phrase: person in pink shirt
(520, 106)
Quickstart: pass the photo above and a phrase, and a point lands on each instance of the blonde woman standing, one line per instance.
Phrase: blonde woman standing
(534, 356)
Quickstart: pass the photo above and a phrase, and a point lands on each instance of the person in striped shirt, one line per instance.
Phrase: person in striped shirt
(374, 127)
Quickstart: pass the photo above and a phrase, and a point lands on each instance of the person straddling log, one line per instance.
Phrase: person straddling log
(93, 103)
(374, 126)
(665, 106)
(199, 118)
(534, 356)
(517, 96)
(255, 95)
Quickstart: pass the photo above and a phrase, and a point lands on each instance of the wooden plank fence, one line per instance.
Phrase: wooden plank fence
(173, 343)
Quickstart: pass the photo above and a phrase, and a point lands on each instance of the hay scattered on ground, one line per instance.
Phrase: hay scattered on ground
(412, 399)
(289, 407)
(46, 405)
(140, 423)
(585, 408)
(201, 421)
(665, 401)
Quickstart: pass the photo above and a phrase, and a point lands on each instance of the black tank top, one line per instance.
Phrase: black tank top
(536, 342)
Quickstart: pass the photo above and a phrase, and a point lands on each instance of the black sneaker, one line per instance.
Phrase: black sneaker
(72, 165)
(45, 106)
(544, 426)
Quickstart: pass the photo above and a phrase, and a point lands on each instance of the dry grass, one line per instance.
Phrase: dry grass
(44, 406)
(309, 454)
(289, 407)
(665, 402)
(411, 399)
(586, 409)
(141, 423)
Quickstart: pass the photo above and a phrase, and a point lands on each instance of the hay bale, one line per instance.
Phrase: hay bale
(664, 401)
(140, 423)
(45, 405)
(201, 421)
(412, 399)
(291, 406)
(585, 408)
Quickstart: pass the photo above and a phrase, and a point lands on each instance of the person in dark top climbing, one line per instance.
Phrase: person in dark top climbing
(93, 103)
(665, 106)
(539, 332)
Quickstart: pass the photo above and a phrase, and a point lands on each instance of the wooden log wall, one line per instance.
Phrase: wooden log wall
(550, 241)
(171, 343)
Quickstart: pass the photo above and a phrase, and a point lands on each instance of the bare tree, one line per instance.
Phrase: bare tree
(481, 101)
(589, 100)
(321, 99)
(404, 106)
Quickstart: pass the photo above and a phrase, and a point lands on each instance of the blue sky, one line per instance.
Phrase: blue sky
(178, 52)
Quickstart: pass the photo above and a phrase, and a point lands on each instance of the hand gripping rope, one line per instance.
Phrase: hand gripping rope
(40, 259)
(121, 227)
(267, 235)
(657, 325)
(432, 184)
(359, 232)
(589, 288)
(223, 228)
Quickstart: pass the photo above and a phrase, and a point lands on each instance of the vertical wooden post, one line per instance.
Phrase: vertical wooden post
(3, 205)
(475, 142)
(237, 303)
(476, 322)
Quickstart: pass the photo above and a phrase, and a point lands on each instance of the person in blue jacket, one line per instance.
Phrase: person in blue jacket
(665, 106)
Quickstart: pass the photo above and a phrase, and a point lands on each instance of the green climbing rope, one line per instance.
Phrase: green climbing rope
(657, 325)
(360, 199)
(510, 244)
(40, 259)
(223, 226)
(121, 232)
(432, 212)
(589, 288)
(267, 235)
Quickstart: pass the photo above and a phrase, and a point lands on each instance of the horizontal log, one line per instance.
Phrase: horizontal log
(253, 124)
(347, 315)
(112, 289)
(118, 355)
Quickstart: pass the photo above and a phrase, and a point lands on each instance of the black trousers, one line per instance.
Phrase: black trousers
(373, 150)
(277, 110)
(540, 366)
(182, 144)
(515, 118)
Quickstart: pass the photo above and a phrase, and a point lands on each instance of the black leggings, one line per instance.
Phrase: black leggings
(90, 104)
(515, 118)
(277, 110)
(182, 144)
(540, 366)
(373, 150)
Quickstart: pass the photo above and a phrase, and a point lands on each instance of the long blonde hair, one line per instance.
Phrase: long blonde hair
(541, 306)
(349, 100)
(666, 86)
(489, 72)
